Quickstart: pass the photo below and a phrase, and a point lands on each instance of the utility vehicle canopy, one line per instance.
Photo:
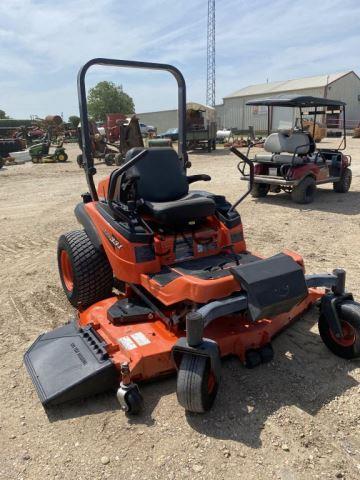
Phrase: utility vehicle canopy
(297, 101)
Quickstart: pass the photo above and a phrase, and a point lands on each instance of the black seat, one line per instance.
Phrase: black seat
(161, 183)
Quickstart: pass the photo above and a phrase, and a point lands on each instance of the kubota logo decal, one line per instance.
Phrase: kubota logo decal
(114, 241)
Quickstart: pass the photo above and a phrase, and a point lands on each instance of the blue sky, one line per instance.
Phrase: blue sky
(43, 43)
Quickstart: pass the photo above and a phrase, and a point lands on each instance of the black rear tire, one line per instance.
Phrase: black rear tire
(343, 185)
(85, 272)
(260, 190)
(349, 346)
(196, 386)
(305, 191)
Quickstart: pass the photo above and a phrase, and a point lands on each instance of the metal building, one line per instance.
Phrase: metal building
(165, 119)
(343, 86)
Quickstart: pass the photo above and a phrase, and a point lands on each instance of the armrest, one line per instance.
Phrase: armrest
(197, 178)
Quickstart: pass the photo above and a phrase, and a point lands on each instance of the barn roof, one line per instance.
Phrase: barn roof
(288, 85)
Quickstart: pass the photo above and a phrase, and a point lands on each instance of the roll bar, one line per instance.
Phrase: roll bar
(85, 134)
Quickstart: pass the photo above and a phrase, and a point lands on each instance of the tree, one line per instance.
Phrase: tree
(106, 97)
(74, 120)
(3, 115)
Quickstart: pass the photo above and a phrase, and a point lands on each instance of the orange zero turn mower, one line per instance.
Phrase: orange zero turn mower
(162, 281)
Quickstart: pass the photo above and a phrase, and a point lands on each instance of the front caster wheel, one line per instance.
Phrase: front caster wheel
(347, 346)
(130, 399)
(197, 385)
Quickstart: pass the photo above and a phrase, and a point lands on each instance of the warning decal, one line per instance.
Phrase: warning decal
(127, 343)
(135, 340)
(140, 339)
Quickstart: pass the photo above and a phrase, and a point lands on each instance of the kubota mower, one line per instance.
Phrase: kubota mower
(162, 280)
(293, 162)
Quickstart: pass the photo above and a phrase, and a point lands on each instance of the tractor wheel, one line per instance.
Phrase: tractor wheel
(343, 185)
(260, 190)
(347, 346)
(196, 386)
(85, 273)
(62, 157)
(305, 191)
(79, 160)
(109, 159)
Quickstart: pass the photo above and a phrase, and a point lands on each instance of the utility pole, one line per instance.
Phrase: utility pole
(210, 77)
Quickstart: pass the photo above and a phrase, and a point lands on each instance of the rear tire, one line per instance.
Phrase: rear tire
(85, 272)
(343, 185)
(2, 162)
(260, 190)
(62, 157)
(305, 191)
(196, 386)
(349, 345)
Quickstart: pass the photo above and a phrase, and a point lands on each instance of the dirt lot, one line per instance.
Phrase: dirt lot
(296, 418)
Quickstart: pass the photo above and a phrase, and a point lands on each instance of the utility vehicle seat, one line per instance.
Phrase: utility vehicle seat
(298, 143)
(160, 181)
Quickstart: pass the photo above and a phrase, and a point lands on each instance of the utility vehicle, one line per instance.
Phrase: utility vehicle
(293, 163)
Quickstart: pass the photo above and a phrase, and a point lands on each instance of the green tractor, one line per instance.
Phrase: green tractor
(40, 153)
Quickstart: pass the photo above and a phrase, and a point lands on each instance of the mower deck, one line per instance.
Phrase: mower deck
(85, 356)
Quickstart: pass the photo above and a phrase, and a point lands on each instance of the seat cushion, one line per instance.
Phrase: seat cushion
(294, 142)
(190, 207)
(263, 157)
(280, 159)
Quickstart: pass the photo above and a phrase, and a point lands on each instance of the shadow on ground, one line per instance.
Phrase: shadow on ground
(325, 201)
(303, 374)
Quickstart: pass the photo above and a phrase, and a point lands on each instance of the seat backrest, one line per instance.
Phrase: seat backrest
(295, 142)
(161, 173)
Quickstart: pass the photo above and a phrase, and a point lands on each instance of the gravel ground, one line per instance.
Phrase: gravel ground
(295, 418)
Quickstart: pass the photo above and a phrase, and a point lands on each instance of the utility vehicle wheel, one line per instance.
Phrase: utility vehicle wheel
(196, 386)
(343, 185)
(260, 190)
(85, 273)
(62, 157)
(305, 191)
(79, 160)
(349, 345)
